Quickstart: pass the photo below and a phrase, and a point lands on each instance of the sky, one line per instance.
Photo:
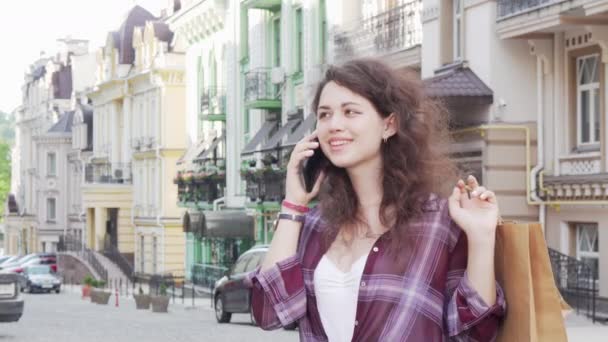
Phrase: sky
(28, 27)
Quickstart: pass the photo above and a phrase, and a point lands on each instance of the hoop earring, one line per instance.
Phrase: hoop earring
(385, 139)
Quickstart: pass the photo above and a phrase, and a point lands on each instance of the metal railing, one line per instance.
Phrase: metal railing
(576, 281)
(258, 85)
(111, 252)
(507, 8)
(69, 243)
(107, 173)
(206, 275)
(213, 101)
(399, 28)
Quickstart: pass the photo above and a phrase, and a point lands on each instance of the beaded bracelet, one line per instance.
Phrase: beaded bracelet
(296, 207)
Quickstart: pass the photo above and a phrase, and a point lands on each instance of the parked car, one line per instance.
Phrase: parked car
(4, 258)
(10, 260)
(41, 278)
(11, 302)
(32, 259)
(231, 293)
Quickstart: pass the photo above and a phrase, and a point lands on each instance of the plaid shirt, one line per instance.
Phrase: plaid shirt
(423, 296)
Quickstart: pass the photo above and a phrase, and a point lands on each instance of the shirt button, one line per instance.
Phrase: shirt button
(356, 323)
(375, 249)
(362, 284)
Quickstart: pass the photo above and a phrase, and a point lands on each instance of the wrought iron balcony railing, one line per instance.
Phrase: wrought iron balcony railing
(399, 28)
(576, 281)
(213, 101)
(258, 86)
(507, 8)
(107, 173)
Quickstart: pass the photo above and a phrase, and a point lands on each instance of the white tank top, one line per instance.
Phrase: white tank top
(337, 295)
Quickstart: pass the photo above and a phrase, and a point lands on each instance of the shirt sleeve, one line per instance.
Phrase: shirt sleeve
(278, 297)
(467, 316)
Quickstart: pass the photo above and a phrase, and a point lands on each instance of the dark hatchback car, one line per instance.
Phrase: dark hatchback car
(11, 302)
(231, 294)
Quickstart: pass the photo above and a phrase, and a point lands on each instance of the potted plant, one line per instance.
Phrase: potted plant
(86, 288)
(142, 301)
(161, 303)
(98, 295)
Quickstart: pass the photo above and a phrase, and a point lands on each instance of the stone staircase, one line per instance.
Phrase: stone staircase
(115, 274)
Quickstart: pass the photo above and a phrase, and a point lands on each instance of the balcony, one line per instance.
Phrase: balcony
(539, 19)
(266, 183)
(260, 92)
(203, 186)
(398, 29)
(213, 104)
(106, 173)
(509, 8)
(270, 5)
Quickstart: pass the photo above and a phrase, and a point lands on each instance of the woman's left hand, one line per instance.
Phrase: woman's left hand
(477, 216)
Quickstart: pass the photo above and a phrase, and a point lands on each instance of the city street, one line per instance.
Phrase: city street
(66, 317)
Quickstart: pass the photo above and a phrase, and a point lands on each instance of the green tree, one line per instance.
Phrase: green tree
(5, 174)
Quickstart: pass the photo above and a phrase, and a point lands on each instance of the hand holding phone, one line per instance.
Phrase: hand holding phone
(304, 170)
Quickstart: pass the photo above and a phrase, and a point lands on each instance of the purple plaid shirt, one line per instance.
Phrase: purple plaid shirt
(423, 296)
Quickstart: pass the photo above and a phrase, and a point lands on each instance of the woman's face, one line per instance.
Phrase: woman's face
(349, 128)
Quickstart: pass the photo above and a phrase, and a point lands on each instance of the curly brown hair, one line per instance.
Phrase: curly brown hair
(416, 160)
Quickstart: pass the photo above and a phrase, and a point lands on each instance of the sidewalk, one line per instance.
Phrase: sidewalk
(188, 303)
(581, 329)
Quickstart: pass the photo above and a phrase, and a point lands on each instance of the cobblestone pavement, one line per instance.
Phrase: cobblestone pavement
(580, 329)
(66, 317)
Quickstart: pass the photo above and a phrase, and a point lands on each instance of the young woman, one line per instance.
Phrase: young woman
(385, 256)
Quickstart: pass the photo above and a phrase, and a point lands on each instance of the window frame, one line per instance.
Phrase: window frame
(578, 227)
(51, 167)
(457, 29)
(50, 200)
(590, 88)
(299, 39)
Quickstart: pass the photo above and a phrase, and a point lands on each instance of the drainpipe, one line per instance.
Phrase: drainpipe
(217, 201)
(541, 66)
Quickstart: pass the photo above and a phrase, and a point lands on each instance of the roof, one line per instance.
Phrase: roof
(39, 72)
(136, 17)
(62, 82)
(64, 125)
(12, 204)
(162, 32)
(458, 80)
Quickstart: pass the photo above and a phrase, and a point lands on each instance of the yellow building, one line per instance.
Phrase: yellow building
(138, 122)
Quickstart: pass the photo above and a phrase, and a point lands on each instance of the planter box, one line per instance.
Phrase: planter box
(160, 303)
(100, 296)
(142, 301)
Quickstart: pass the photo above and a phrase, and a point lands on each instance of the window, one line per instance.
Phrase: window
(299, 41)
(323, 28)
(588, 100)
(457, 32)
(587, 244)
(276, 34)
(241, 265)
(255, 261)
(51, 164)
(50, 209)
(154, 255)
(141, 254)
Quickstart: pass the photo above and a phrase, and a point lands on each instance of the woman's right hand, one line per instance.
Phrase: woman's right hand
(294, 188)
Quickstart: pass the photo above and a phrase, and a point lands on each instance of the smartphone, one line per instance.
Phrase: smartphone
(312, 168)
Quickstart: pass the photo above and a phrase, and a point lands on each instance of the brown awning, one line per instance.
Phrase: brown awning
(259, 137)
(305, 127)
(228, 224)
(455, 82)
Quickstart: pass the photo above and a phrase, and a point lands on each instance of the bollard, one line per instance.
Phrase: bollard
(116, 297)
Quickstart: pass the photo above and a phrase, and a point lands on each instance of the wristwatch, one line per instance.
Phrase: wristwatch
(286, 216)
(291, 217)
